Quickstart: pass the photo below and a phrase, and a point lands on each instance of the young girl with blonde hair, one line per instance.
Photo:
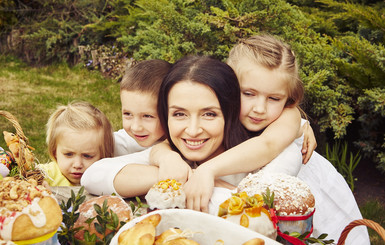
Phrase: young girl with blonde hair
(271, 91)
(78, 134)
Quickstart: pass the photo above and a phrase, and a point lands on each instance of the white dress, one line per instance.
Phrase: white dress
(335, 204)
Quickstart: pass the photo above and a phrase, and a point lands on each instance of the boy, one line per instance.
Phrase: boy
(139, 90)
(139, 95)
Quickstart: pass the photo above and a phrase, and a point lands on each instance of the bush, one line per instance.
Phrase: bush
(340, 46)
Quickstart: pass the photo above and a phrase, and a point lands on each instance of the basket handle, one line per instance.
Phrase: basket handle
(16, 125)
(369, 223)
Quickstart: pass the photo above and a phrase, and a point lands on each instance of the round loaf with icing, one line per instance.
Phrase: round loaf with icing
(115, 204)
(27, 210)
(292, 196)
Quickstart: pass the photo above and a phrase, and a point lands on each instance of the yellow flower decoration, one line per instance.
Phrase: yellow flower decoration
(236, 205)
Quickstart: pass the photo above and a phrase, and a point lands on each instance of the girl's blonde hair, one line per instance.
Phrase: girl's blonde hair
(271, 53)
(79, 116)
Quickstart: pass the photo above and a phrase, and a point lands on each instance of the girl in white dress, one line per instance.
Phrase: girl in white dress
(268, 75)
(253, 60)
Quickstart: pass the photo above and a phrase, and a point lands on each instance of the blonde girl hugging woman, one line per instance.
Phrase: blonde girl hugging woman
(78, 134)
(271, 91)
(270, 94)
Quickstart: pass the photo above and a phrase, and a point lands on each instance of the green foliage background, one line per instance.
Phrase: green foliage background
(340, 46)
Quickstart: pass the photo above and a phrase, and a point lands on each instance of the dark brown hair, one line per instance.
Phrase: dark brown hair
(221, 79)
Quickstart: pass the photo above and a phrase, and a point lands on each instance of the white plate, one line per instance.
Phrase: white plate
(208, 228)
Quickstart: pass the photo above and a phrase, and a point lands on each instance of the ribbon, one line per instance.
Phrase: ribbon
(36, 240)
(295, 218)
(291, 239)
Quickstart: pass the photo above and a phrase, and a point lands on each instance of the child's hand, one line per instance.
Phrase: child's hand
(170, 163)
(198, 189)
(309, 143)
(176, 169)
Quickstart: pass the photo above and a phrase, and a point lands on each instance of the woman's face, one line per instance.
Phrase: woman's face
(195, 121)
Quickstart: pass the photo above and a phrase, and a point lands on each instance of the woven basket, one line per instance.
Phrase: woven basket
(369, 223)
(24, 173)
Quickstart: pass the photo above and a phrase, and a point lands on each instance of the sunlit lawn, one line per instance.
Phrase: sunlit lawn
(31, 94)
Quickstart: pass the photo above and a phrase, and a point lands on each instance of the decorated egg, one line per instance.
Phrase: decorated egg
(6, 158)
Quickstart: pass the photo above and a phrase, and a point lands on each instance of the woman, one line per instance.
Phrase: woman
(198, 131)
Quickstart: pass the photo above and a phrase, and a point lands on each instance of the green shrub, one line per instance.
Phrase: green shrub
(340, 46)
(345, 165)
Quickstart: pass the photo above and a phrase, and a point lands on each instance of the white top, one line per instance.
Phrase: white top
(125, 144)
(98, 179)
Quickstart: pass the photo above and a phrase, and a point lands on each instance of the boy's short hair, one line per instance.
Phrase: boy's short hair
(79, 115)
(145, 76)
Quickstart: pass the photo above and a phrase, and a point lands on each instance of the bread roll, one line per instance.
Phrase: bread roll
(142, 233)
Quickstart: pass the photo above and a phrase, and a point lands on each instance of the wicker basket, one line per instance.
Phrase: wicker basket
(24, 173)
(369, 223)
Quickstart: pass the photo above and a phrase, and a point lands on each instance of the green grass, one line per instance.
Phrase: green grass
(31, 94)
(374, 210)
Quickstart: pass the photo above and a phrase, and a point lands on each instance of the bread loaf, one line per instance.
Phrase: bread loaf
(27, 210)
(87, 210)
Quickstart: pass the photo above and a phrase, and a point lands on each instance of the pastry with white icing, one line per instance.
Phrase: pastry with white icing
(166, 194)
(27, 210)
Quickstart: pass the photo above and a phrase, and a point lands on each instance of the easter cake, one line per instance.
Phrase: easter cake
(166, 194)
(27, 211)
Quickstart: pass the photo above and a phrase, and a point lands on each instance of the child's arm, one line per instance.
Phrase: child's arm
(135, 180)
(120, 175)
(243, 158)
(309, 142)
(170, 163)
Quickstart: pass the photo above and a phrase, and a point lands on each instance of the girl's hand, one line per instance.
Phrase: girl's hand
(170, 163)
(309, 142)
(176, 168)
(199, 189)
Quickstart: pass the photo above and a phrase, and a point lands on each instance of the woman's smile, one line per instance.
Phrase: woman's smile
(195, 144)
